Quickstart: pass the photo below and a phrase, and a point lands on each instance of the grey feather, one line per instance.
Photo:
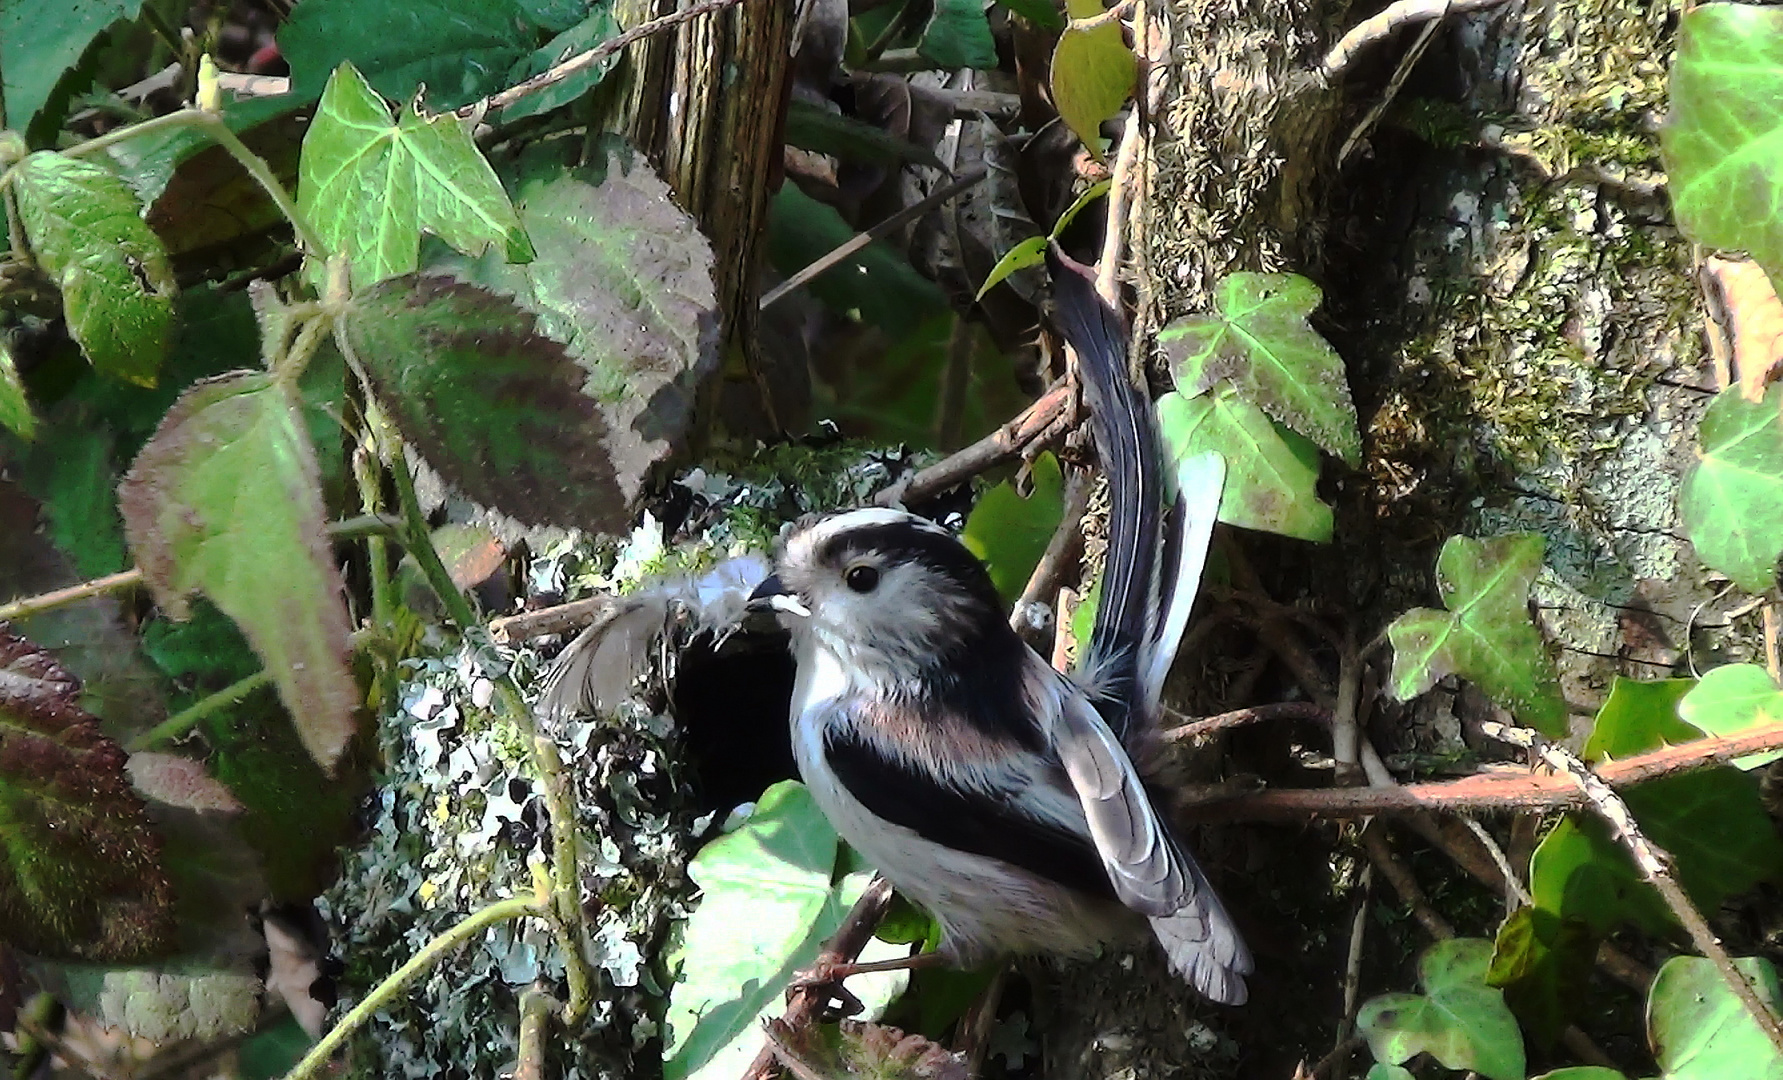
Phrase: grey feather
(1199, 482)
(1204, 947)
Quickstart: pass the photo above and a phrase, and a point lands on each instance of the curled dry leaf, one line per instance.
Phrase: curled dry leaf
(80, 869)
(1745, 325)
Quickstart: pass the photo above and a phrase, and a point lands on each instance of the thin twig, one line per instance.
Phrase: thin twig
(1066, 543)
(1352, 968)
(1120, 203)
(884, 228)
(1379, 108)
(1380, 853)
(1346, 732)
(844, 945)
(1281, 710)
(585, 60)
(1383, 25)
(1654, 864)
(188, 718)
(1500, 790)
(536, 1007)
(1007, 442)
(558, 619)
(1773, 642)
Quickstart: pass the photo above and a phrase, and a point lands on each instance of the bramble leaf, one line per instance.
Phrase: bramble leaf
(80, 864)
(1259, 338)
(1486, 635)
(460, 50)
(1093, 72)
(1459, 1020)
(42, 47)
(224, 500)
(623, 278)
(1701, 1031)
(1732, 500)
(15, 408)
(85, 228)
(1009, 533)
(1722, 143)
(371, 186)
(1271, 473)
(1732, 698)
(497, 407)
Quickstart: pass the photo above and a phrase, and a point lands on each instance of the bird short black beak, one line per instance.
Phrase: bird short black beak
(773, 595)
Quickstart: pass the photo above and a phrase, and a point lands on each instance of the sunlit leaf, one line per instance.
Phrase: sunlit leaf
(1542, 962)
(1458, 1020)
(1722, 143)
(623, 278)
(223, 500)
(42, 48)
(1579, 872)
(958, 36)
(370, 186)
(80, 864)
(15, 408)
(1732, 698)
(497, 407)
(1486, 636)
(1032, 251)
(1259, 339)
(1732, 500)
(1271, 473)
(85, 228)
(1010, 533)
(766, 906)
(1701, 1031)
(1093, 72)
(1639, 716)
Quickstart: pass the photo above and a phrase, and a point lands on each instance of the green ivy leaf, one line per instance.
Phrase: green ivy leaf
(85, 228)
(1459, 1020)
(370, 187)
(497, 407)
(1543, 964)
(80, 864)
(1271, 473)
(1639, 716)
(623, 277)
(15, 408)
(1486, 635)
(766, 907)
(42, 48)
(1260, 340)
(1009, 533)
(594, 30)
(224, 500)
(460, 50)
(1093, 72)
(1722, 143)
(1579, 872)
(958, 36)
(1701, 1031)
(1732, 500)
(1731, 699)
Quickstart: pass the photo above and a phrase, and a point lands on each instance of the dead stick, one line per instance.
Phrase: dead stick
(994, 449)
(1496, 790)
(557, 619)
(1383, 25)
(1654, 865)
(1281, 710)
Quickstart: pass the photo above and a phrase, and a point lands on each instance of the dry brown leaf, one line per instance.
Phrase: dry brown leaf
(1745, 325)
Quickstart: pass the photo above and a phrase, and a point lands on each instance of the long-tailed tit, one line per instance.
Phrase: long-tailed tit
(997, 793)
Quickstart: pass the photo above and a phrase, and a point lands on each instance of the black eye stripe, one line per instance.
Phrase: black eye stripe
(900, 542)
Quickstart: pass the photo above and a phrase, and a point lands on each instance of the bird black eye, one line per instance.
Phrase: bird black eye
(862, 579)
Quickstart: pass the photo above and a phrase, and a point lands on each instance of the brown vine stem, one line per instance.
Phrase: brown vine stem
(846, 944)
(1654, 865)
(1502, 790)
(585, 60)
(1113, 14)
(1281, 710)
(1006, 443)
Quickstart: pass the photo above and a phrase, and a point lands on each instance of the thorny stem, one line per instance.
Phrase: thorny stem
(1654, 864)
(385, 992)
(188, 718)
(564, 905)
